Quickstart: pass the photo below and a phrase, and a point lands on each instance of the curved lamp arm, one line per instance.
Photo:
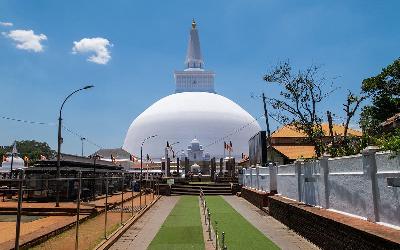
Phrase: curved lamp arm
(86, 87)
(152, 136)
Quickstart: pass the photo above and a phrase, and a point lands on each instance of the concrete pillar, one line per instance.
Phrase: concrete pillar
(298, 165)
(258, 177)
(168, 167)
(251, 177)
(186, 165)
(163, 166)
(233, 169)
(324, 180)
(273, 185)
(370, 170)
(212, 171)
(177, 166)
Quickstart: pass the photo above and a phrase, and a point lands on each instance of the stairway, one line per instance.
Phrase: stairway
(208, 189)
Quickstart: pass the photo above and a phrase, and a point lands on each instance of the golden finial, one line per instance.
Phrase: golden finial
(193, 24)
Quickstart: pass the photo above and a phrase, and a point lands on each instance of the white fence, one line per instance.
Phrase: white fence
(366, 185)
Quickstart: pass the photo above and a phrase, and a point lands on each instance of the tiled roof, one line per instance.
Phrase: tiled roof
(296, 152)
(118, 153)
(391, 120)
(290, 131)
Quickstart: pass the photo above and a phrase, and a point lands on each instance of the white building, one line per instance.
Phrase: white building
(195, 151)
(17, 163)
(13, 159)
(194, 111)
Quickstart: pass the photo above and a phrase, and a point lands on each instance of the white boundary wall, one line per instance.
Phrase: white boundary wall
(365, 185)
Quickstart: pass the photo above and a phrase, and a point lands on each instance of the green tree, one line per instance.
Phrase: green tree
(301, 92)
(345, 144)
(32, 149)
(390, 142)
(384, 90)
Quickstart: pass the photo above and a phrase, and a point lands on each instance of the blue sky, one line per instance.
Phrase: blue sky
(240, 41)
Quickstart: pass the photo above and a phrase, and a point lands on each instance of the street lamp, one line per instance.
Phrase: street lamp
(82, 139)
(141, 167)
(95, 157)
(60, 140)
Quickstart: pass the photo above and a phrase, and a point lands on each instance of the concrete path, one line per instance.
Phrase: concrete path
(145, 229)
(273, 229)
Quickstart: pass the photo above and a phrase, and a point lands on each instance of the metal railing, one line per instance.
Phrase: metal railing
(213, 234)
(87, 198)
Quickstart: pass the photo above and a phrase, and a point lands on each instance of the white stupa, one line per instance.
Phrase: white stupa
(194, 111)
(12, 157)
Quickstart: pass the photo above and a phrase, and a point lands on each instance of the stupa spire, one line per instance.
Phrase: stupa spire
(194, 78)
(194, 60)
(193, 24)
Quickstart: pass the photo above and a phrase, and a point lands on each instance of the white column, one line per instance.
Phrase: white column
(298, 167)
(324, 180)
(370, 170)
(273, 185)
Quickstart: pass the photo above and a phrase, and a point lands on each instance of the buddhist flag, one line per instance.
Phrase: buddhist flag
(26, 160)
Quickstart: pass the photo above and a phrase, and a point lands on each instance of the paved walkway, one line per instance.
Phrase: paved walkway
(143, 231)
(273, 229)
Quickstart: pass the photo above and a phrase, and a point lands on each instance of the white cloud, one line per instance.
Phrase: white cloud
(98, 46)
(7, 24)
(26, 39)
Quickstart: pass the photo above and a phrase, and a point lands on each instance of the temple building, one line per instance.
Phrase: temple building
(289, 144)
(196, 153)
(195, 110)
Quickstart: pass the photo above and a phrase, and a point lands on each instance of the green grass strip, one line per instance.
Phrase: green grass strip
(182, 229)
(239, 233)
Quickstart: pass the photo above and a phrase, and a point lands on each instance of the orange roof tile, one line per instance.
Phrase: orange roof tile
(290, 131)
(391, 120)
(296, 152)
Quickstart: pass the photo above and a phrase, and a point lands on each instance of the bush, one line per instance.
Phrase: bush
(390, 142)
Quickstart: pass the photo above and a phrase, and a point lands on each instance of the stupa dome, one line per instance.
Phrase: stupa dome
(183, 116)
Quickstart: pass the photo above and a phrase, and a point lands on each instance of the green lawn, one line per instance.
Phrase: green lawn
(239, 233)
(182, 228)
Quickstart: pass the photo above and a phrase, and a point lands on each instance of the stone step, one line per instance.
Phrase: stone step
(204, 187)
(206, 192)
(196, 193)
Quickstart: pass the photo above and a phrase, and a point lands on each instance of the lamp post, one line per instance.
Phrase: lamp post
(60, 140)
(82, 139)
(141, 168)
(95, 158)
